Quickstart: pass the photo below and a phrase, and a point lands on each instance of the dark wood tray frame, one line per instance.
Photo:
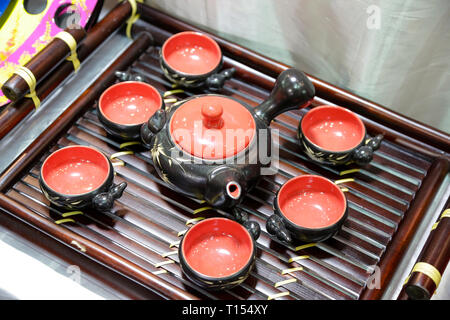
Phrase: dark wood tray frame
(426, 142)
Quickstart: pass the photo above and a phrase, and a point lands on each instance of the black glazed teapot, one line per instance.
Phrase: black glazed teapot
(213, 147)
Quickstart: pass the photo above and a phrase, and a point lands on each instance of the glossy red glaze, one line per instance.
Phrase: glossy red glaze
(217, 247)
(191, 53)
(212, 127)
(129, 102)
(311, 201)
(75, 170)
(212, 116)
(333, 128)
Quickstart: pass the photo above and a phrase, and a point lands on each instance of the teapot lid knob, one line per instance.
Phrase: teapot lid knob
(212, 115)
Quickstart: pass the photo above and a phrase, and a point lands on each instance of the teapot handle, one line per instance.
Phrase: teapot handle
(292, 90)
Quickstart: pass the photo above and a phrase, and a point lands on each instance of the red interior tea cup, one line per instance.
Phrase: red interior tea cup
(333, 128)
(191, 53)
(75, 170)
(311, 202)
(218, 248)
(129, 103)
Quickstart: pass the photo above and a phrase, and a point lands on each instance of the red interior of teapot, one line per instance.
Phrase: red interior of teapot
(311, 201)
(191, 53)
(333, 128)
(130, 102)
(75, 170)
(217, 247)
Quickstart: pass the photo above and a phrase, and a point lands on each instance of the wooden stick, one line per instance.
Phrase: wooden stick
(15, 112)
(41, 64)
(434, 257)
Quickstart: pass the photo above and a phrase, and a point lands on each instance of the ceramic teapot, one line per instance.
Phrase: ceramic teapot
(213, 147)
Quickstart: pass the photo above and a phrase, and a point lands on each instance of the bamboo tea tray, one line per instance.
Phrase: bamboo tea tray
(138, 238)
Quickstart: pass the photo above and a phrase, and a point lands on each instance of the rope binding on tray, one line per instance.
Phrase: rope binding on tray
(287, 281)
(162, 271)
(290, 270)
(308, 245)
(202, 209)
(445, 214)
(278, 295)
(30, 79)
(169, 253)
(428, 270)
(118, 154)
(72, 44)
(133, 17)
(66, 215)
(293, 259)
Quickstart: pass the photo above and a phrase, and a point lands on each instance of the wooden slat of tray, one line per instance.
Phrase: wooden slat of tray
(145, 222)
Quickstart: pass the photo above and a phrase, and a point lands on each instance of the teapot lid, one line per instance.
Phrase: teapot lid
(212, 127)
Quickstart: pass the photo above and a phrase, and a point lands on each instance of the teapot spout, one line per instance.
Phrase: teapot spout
(292, 90)
(225, 187)
(233, 190)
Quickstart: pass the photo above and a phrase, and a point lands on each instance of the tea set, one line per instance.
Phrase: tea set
(213, 147)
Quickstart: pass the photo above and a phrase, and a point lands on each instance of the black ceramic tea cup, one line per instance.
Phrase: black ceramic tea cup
(308, 208)
(125, 106)
(192, 59)
(333, 135)
(77, 177)
(218, 253)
